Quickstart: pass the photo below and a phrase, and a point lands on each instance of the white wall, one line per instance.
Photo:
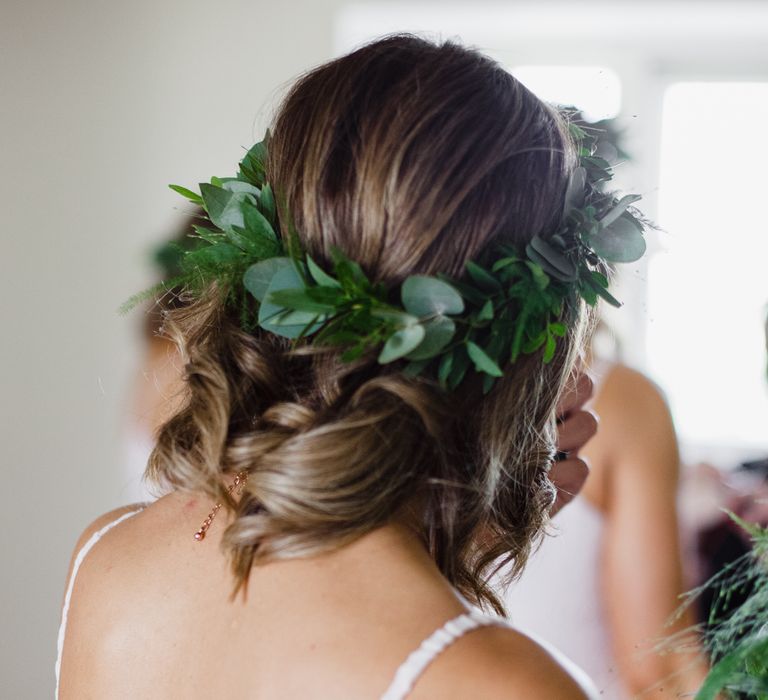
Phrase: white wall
(101, 105)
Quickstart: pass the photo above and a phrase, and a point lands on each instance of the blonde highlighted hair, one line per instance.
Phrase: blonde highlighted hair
(412, 157)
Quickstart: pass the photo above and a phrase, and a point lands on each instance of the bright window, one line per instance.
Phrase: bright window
(708, 287)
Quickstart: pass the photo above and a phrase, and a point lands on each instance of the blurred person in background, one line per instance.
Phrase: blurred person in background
(611, 574)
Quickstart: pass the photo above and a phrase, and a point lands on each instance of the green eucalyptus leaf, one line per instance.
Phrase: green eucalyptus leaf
(598, 162)
(257, 277)
(557, 328)
(257, 246)
(496, 345)
(575, 194)
(236, 238)
(486, 312)
(444, 369)
(621, 242)
(236, 186)
(252, 166)
(307, 322)
(605, 294)
(277, 319)
(599, 278)
(400, 319)
(545, 265)
(501, 263)
(488, 382)
(215, 201)
(588, 293)
(598, 169)
(226, 209)
(401, 342)
(299, 299)
(438, 332)
(425, 296)
(533, 344)
(459, 367)
(256, 223)
(208, 234)
(469, 292)
(267, 204)
(331, 296)
(483, 363)
(540, 278)
(319, 275)
(348, 272)
(556, 258)
(482, 277)
(211, 256)
(619, 209)
(577, 132)
(188, 194)
(549, 349)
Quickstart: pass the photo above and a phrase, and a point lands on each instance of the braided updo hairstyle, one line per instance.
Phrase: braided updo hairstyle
(411, 157)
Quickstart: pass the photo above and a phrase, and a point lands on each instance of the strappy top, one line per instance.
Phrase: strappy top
(405, 676)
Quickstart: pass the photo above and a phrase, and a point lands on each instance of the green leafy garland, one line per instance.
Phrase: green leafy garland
(441, 326)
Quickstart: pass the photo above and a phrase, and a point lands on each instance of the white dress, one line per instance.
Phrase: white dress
(408, 672)
(559, 596)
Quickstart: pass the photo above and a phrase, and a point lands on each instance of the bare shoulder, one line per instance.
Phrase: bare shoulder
(107, 519)
(500, 663)
(632, 410)
(97, 525)
(624, 384)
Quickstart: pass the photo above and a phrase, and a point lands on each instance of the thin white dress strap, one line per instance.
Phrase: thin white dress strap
(94, 538)
(410, 671)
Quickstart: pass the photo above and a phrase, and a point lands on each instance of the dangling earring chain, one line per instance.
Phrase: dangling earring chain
(240, 479)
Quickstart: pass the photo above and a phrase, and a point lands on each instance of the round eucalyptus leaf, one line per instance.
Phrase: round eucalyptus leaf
(401, 342)
(555, 257)
(438, 332)
(258, 276)
(429, 296)
(215, 200)
(273, 317)
(225, 207)
(621, 242)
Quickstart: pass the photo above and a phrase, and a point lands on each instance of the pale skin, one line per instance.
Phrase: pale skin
(152, 617)
(634, 464)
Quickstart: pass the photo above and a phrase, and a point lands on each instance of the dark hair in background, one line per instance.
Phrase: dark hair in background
(412, 157)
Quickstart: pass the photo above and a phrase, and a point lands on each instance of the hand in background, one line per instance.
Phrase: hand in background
(575, 427)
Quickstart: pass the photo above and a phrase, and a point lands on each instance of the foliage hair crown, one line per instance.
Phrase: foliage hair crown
(442, 327)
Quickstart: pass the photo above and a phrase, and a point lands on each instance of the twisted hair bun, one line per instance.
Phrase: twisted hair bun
(412, 157)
